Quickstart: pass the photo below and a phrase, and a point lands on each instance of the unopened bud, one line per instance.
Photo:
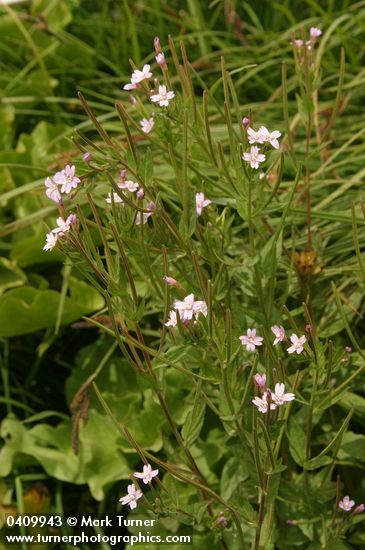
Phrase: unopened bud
(245, 121)
(170, 281)
(157, 45)
(122, 175)
(87, 157)
(160, 58)
(260, 380)
(140, 194)
(359, 509)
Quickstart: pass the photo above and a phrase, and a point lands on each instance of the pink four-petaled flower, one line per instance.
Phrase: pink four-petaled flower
(201, 202)
(279, 396)
(262, 403)
(298, 344)
(117, 199)
(251, 340)
(139, 76)
(51, 241)
(130, 185)
(346, 504)
(53, 191)
(254, 157)
(189, 307)
(279, 333)
(163, 97)
(67, 179)
(131, 497)
(147, 475)
(147, 124)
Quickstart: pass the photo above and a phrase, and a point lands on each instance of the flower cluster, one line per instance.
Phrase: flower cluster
(187, 308)
(314, 33)
(63, 226)
(261, 136)
(163, 96)
(63, 181)
(134, 494)
(251, 340)
(269, 398)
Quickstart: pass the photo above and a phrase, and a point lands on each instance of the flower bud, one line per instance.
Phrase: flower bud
(157, 44)
(245, 121)
(160, 58)
(87, 157)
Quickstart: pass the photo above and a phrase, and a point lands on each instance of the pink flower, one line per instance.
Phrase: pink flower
(270, 137)
(52, 191)
(346, 504)
(151, 208)
(298, 43)
(264, 136)
(116, 198)
(253, 137)
(348, 349)
(188, 308)
(67, 179)
(51, 241)
(262, 404)
(200, 307)
(130, 185)
(130, 86)
(172, 320)
(147, 475)
(147, 124)
(139, 76)
(140, 194)
(201, 202)
(131, 497)
(315, 32)
(185, 307)
(251, 340)
(163, 97)
(254, 157)
(63, 226)
(298, 344)
(260, 380)
(160, 59)
(279, 397)
(279, 332)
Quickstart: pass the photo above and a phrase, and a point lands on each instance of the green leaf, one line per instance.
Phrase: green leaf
(27, 309)
(194, 422)
(297, 440)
